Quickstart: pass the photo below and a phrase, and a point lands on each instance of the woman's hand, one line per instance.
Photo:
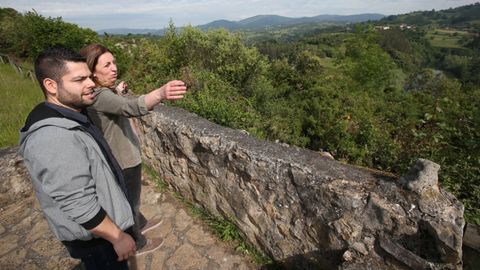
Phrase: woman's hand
(122, 88)
(173, 90)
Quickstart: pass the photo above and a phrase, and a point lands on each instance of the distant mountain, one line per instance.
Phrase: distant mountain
(222, 24)
(270, 21)
(126, 31)
(464, 17)
(258, 22)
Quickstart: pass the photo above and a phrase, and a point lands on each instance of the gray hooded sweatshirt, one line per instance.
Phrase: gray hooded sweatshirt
(71, 177)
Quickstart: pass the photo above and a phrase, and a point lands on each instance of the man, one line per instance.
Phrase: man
(78, 182)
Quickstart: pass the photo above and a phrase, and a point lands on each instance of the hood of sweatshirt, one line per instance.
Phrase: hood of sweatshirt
(41, 116)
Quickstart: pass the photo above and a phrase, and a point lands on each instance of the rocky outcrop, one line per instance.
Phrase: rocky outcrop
(25, 239)
(15, 186)
(303, 209)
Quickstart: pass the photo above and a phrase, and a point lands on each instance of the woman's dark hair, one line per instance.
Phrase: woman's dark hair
(92, 52)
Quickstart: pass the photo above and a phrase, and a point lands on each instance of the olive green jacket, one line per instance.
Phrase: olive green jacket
(110, 112)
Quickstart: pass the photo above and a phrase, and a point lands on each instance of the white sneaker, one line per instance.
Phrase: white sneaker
(152, 245)
(151, 224)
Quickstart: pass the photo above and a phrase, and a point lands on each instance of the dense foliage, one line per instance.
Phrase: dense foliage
(38, 33)
(465, 17)
(376, 98)
(371, 98)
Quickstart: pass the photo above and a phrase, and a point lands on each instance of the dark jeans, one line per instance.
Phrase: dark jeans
(133, 181)
(98, 257)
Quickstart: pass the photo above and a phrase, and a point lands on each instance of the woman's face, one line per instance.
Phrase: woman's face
(106, 70)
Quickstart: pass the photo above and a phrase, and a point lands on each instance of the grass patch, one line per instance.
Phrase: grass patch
(154, 175)
(328, 63)
(446, 38)
(222, 228)
(18, 96)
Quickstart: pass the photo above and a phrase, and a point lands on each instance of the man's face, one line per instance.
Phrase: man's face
(75, 89)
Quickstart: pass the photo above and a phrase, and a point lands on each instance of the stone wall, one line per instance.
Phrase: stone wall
(301, 208)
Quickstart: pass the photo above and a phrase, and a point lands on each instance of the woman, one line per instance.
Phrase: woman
(111, 112)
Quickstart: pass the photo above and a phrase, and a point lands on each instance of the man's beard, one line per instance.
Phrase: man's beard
(74, 101)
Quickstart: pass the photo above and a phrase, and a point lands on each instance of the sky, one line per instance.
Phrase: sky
(155, 14)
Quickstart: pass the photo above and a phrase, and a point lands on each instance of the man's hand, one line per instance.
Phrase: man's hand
(123, 243)
(124, 246)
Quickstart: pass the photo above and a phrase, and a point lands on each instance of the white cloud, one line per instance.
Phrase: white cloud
(156, 13)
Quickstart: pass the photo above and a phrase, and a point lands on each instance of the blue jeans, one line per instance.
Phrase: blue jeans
(98, 257)
(133, 181)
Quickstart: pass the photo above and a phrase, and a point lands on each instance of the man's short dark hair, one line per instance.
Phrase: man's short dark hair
(51, 63)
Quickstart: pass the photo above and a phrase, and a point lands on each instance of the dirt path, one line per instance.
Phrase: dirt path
(27, 243)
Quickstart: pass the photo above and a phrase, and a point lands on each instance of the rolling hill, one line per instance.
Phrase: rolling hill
(259, 22)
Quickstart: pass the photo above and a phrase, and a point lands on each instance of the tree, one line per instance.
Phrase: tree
(367, 64)
(9, 19)
(39, 33)
(457, 65)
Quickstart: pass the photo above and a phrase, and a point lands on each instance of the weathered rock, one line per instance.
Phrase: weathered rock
(448, 246)
(27, 243)
(472, 236)
(347, 256)
(301, 208)
(187, 253)
(360, 248)
(423, 175)
(403, 255)
(13, 259)
(471, 247)
(26, 240)
(8, 243)
(14, 185)
(2, 229)
(195, 235)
